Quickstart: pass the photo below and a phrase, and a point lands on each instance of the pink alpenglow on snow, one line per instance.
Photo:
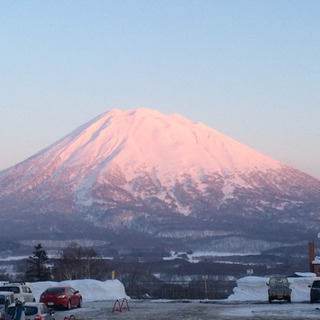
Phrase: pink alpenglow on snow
(167, 146)
(162, 175)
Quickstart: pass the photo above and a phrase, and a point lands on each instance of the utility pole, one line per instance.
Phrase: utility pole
(206, 287)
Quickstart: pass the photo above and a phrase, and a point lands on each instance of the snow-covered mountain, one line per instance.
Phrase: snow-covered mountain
(161, 176)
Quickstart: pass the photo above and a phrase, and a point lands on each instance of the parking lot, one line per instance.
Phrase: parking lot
(155, 310)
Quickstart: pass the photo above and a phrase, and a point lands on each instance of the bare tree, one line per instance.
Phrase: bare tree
(78, 262)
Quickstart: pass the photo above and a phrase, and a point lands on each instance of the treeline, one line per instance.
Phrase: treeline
(73, 262)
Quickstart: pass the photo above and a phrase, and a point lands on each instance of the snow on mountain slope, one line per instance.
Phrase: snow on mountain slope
(144, 170)
(167, 147)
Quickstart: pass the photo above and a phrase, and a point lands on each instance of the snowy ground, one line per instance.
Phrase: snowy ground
(249, 301)
(194, 310)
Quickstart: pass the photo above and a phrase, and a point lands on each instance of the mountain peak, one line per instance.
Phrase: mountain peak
(166, 144)
(157, 174)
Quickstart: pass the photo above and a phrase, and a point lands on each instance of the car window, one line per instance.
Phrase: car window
(316, 284)
(54, 290)
(13, 289)
(10, 311)
(44, 309)
(2, 299)
(29, 311)
(278, 281)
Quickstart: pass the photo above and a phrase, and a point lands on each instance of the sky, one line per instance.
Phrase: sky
(249, 69)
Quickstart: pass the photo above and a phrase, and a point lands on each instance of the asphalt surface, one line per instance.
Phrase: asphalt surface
(171, 310)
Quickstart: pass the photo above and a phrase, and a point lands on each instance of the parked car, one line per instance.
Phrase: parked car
(19, 290)
(279, 288)
(65, 297)
(33, 311)
(315, 291)
(6, 298)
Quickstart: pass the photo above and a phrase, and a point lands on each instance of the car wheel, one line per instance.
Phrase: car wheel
(69, 305)
(270, 300)
(289, 299)
(80, 303)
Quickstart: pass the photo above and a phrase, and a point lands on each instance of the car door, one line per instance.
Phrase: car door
(74, 297)
(45, 312)
(27, 294)
(10, 299)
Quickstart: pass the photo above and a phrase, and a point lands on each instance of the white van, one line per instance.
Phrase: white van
(19, 290)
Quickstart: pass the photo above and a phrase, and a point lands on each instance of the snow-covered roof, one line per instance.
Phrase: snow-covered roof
(316, 260)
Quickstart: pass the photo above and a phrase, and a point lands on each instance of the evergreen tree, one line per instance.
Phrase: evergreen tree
(37, 269)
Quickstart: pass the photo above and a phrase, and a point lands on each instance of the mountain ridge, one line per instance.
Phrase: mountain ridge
(144, 171)
(79, 139)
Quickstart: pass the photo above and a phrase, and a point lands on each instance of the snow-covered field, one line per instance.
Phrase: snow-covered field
(247, 289)
(249, 301)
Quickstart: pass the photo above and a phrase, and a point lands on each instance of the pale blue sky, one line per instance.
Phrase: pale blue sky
(249, 69)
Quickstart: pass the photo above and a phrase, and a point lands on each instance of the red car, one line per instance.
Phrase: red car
(65, 297)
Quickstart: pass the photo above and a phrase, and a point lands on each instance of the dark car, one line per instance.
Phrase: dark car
(279, 288)
(65, 297)
(315, 291)
(33, 311)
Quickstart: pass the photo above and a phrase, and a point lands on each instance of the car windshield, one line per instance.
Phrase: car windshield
(29, 311)
(279, 282)
(316, 284)
(12, 289)
(55, 290)
(10, 311)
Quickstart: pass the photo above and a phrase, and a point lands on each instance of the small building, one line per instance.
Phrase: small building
(316, 266)
(314, 262)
